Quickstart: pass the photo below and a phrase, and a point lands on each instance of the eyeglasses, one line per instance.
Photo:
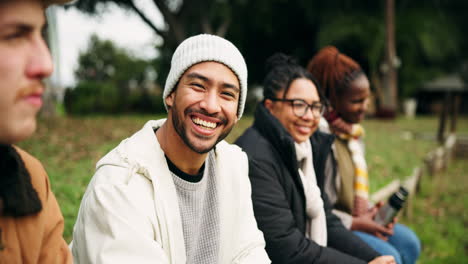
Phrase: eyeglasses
(300, 107)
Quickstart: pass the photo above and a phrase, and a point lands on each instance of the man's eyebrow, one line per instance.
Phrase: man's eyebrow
(24, 26)
(194, 75)
(18, 25)
(231, 86)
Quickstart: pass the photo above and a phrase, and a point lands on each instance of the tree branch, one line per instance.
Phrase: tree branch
(158, 31)
(222, 29)
(206, 26)
(171, 19)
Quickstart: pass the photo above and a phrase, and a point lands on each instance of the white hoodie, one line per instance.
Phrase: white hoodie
(130, 213)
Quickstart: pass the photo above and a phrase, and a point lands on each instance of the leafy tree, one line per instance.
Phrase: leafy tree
(111, 80)
(429, 34)
(104, 62)
(182, 19)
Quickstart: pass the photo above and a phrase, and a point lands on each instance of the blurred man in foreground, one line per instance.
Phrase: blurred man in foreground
(31, 223)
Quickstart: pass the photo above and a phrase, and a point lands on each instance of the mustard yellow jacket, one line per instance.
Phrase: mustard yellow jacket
(35, 237)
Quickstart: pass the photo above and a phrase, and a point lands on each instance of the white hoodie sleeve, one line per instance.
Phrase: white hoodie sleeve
(249, 247)
(111, 225)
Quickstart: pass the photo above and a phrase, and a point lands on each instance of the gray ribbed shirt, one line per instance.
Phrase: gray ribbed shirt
(198, 205)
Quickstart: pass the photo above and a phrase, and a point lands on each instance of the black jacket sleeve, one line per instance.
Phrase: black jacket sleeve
(285, 242)
(340, 238)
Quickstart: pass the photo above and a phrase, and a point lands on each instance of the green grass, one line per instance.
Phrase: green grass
(70, 147)
(393, 149)
(440, 216)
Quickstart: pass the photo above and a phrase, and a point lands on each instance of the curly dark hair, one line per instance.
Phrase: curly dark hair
(334, 71)
(282, 70)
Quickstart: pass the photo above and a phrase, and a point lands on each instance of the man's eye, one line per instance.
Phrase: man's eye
(197, 85)
(17, 34)
(13, 36)
(229, 94)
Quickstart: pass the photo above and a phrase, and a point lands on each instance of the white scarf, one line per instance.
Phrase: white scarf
(316, 226)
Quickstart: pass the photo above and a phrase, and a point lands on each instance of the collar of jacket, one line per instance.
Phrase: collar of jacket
(19, 198)
(271, 128)
(140, 151)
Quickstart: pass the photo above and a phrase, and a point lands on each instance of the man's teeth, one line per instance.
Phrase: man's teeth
(204, 123)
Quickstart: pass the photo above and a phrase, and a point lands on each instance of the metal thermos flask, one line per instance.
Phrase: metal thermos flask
(389, 210)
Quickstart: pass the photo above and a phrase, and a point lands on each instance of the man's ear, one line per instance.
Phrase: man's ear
(170, 99)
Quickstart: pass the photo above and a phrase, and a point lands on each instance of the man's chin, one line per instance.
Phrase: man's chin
(199, 144)
(15, 135)
(202, 146)
(201, 149)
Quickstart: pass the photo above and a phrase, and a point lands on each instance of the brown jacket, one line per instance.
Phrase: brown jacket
(35, 238)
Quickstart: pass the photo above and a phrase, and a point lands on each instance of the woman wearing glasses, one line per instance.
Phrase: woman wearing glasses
(347, 88)
(286, 165)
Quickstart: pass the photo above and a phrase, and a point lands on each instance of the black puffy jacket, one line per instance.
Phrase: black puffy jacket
(279, 202)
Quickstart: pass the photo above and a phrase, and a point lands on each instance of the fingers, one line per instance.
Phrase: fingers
(382, 230)
(366, 224)
(379, 235)
(385, 231)
(373, 212)
(391, 226)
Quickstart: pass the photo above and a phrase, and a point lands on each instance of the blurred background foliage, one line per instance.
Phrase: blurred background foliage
(111, 80)
(430, 39)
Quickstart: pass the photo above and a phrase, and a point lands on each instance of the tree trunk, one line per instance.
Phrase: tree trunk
(389, 80)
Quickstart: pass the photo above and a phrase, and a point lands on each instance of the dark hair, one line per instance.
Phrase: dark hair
(334, 71)
(282, 70)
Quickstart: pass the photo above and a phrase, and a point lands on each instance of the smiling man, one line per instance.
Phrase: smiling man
(31, 224)
(175, 192)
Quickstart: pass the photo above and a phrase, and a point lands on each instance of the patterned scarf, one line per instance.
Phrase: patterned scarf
(353, 133)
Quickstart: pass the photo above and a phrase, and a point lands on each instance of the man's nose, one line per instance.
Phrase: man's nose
(210, 102)
(39, 65)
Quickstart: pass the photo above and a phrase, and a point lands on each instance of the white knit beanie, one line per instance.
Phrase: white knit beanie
(202, 48)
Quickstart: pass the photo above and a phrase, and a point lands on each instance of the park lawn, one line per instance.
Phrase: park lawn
(70, 147)
(440, 216)
(393, 149)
